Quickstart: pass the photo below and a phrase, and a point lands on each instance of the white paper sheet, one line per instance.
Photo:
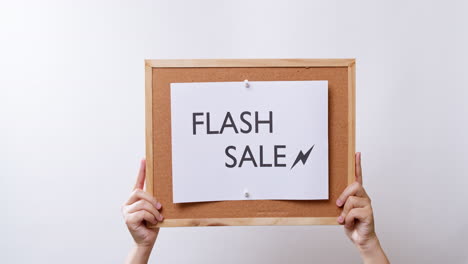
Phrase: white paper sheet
(202, 170)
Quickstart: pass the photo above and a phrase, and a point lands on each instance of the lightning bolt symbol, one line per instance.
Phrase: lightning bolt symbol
(302, 157)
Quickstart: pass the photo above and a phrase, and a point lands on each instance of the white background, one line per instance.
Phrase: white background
(72, 121)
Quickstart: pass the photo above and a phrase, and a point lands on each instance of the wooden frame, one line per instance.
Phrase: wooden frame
(246, 63)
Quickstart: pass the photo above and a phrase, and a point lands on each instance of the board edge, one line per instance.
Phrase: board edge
(232, 63)
(254, 221)
(149, 127)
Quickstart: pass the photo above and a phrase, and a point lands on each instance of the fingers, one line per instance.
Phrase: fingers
(351, 203)
(140, 182)
(361, 214)
(145, 206)
(141, 207)
(357, 168)
(355, 189)
(137, 217)
(139, 194)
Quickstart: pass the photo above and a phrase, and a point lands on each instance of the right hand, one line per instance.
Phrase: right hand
(142, 208)
(358, 219)
(357, 215)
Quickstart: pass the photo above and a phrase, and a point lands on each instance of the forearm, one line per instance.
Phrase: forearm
(372, 253)
(139, 255)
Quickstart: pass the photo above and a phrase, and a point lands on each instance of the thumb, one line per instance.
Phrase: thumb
(140, 182)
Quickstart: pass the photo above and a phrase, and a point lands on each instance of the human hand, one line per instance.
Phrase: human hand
(140, 209)
(358, 218)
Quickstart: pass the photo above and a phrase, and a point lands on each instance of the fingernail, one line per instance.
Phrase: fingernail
(340, 219)
(338, 202)
(162, 218)
(158, 206)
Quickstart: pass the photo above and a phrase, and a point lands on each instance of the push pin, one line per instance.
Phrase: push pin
(246, 82)
(246, 193)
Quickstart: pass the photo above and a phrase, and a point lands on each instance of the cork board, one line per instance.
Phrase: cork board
(340, 74)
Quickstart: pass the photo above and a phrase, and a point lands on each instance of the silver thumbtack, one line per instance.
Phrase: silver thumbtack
(246, 83)
(246, 193)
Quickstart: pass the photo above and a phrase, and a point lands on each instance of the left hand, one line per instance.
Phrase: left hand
(140, 209)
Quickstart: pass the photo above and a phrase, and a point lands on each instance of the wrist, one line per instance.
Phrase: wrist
(139, 254)
(143, 249)
(372, 252)
(369, 245)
